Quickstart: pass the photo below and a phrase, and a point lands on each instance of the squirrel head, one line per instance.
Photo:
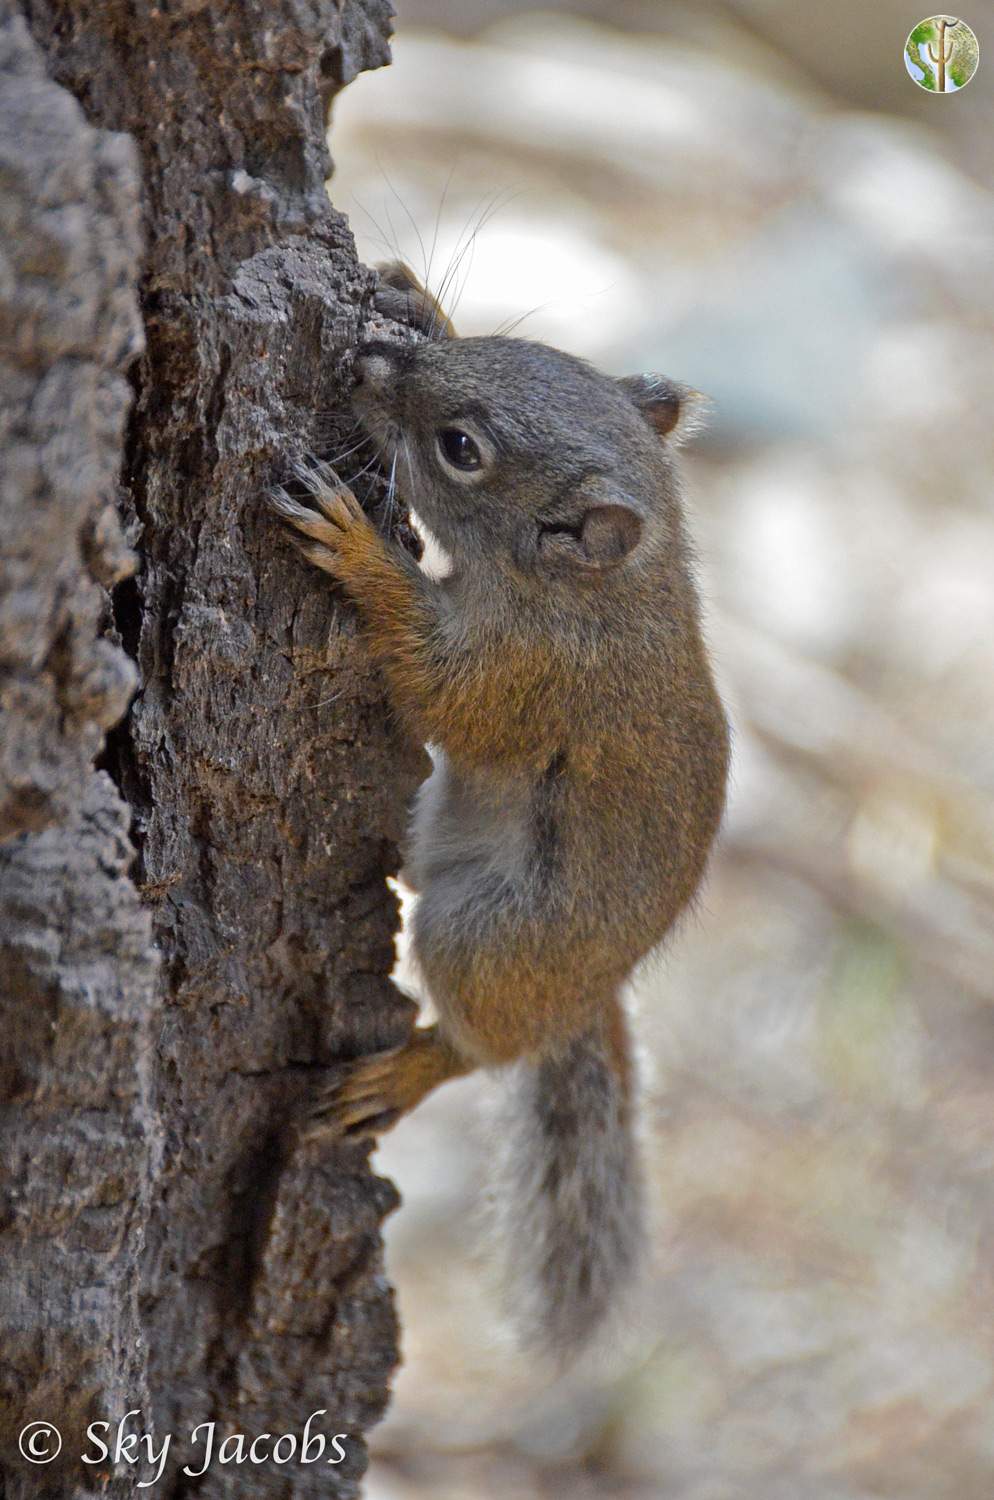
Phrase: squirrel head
(527, 458)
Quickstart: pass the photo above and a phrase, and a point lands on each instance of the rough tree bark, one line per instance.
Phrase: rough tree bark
(192, 932)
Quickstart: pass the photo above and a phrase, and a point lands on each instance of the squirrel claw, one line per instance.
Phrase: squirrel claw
(361, 1103)
(375, 1091)
(331, 494)
(320, 533)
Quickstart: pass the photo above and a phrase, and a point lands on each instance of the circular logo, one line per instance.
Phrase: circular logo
(40, 1442)
(942, 54)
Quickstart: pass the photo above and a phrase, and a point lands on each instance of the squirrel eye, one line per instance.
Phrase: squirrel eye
(458, 449)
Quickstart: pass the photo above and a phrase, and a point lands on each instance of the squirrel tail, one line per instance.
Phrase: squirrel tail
(572, 1195)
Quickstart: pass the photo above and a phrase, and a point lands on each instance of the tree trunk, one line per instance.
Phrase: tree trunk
(192, 934)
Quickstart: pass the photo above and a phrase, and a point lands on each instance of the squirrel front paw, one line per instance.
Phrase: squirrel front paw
(337, 536)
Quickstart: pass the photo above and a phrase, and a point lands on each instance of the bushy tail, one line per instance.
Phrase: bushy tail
(571, 1190)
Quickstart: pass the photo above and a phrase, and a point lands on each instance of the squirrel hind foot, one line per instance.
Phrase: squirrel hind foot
(373, 1092)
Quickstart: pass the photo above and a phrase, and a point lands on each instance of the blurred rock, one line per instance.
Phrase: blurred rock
(818, 1319)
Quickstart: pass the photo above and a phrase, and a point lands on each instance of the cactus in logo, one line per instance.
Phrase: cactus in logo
(942, 54)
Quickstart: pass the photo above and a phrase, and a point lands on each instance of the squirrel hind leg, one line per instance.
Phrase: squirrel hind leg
(373, 1093)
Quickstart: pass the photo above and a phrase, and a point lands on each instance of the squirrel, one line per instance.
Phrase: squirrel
(560, 678)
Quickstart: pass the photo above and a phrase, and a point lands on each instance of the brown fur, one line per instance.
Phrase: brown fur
(560, 674)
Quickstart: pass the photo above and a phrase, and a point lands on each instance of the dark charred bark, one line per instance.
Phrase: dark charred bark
(194, 933)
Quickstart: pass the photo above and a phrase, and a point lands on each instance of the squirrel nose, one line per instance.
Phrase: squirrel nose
(373, 368)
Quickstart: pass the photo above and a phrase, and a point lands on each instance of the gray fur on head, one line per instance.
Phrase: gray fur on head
(556, 496)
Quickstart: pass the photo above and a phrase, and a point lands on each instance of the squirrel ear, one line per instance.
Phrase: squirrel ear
(401, 296)
(602, 537)
(674, 410)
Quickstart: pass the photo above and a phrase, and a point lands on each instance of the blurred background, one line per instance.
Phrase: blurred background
(754, 197)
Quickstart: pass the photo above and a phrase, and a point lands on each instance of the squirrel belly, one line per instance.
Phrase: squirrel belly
(581, 752)
(539, 893)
